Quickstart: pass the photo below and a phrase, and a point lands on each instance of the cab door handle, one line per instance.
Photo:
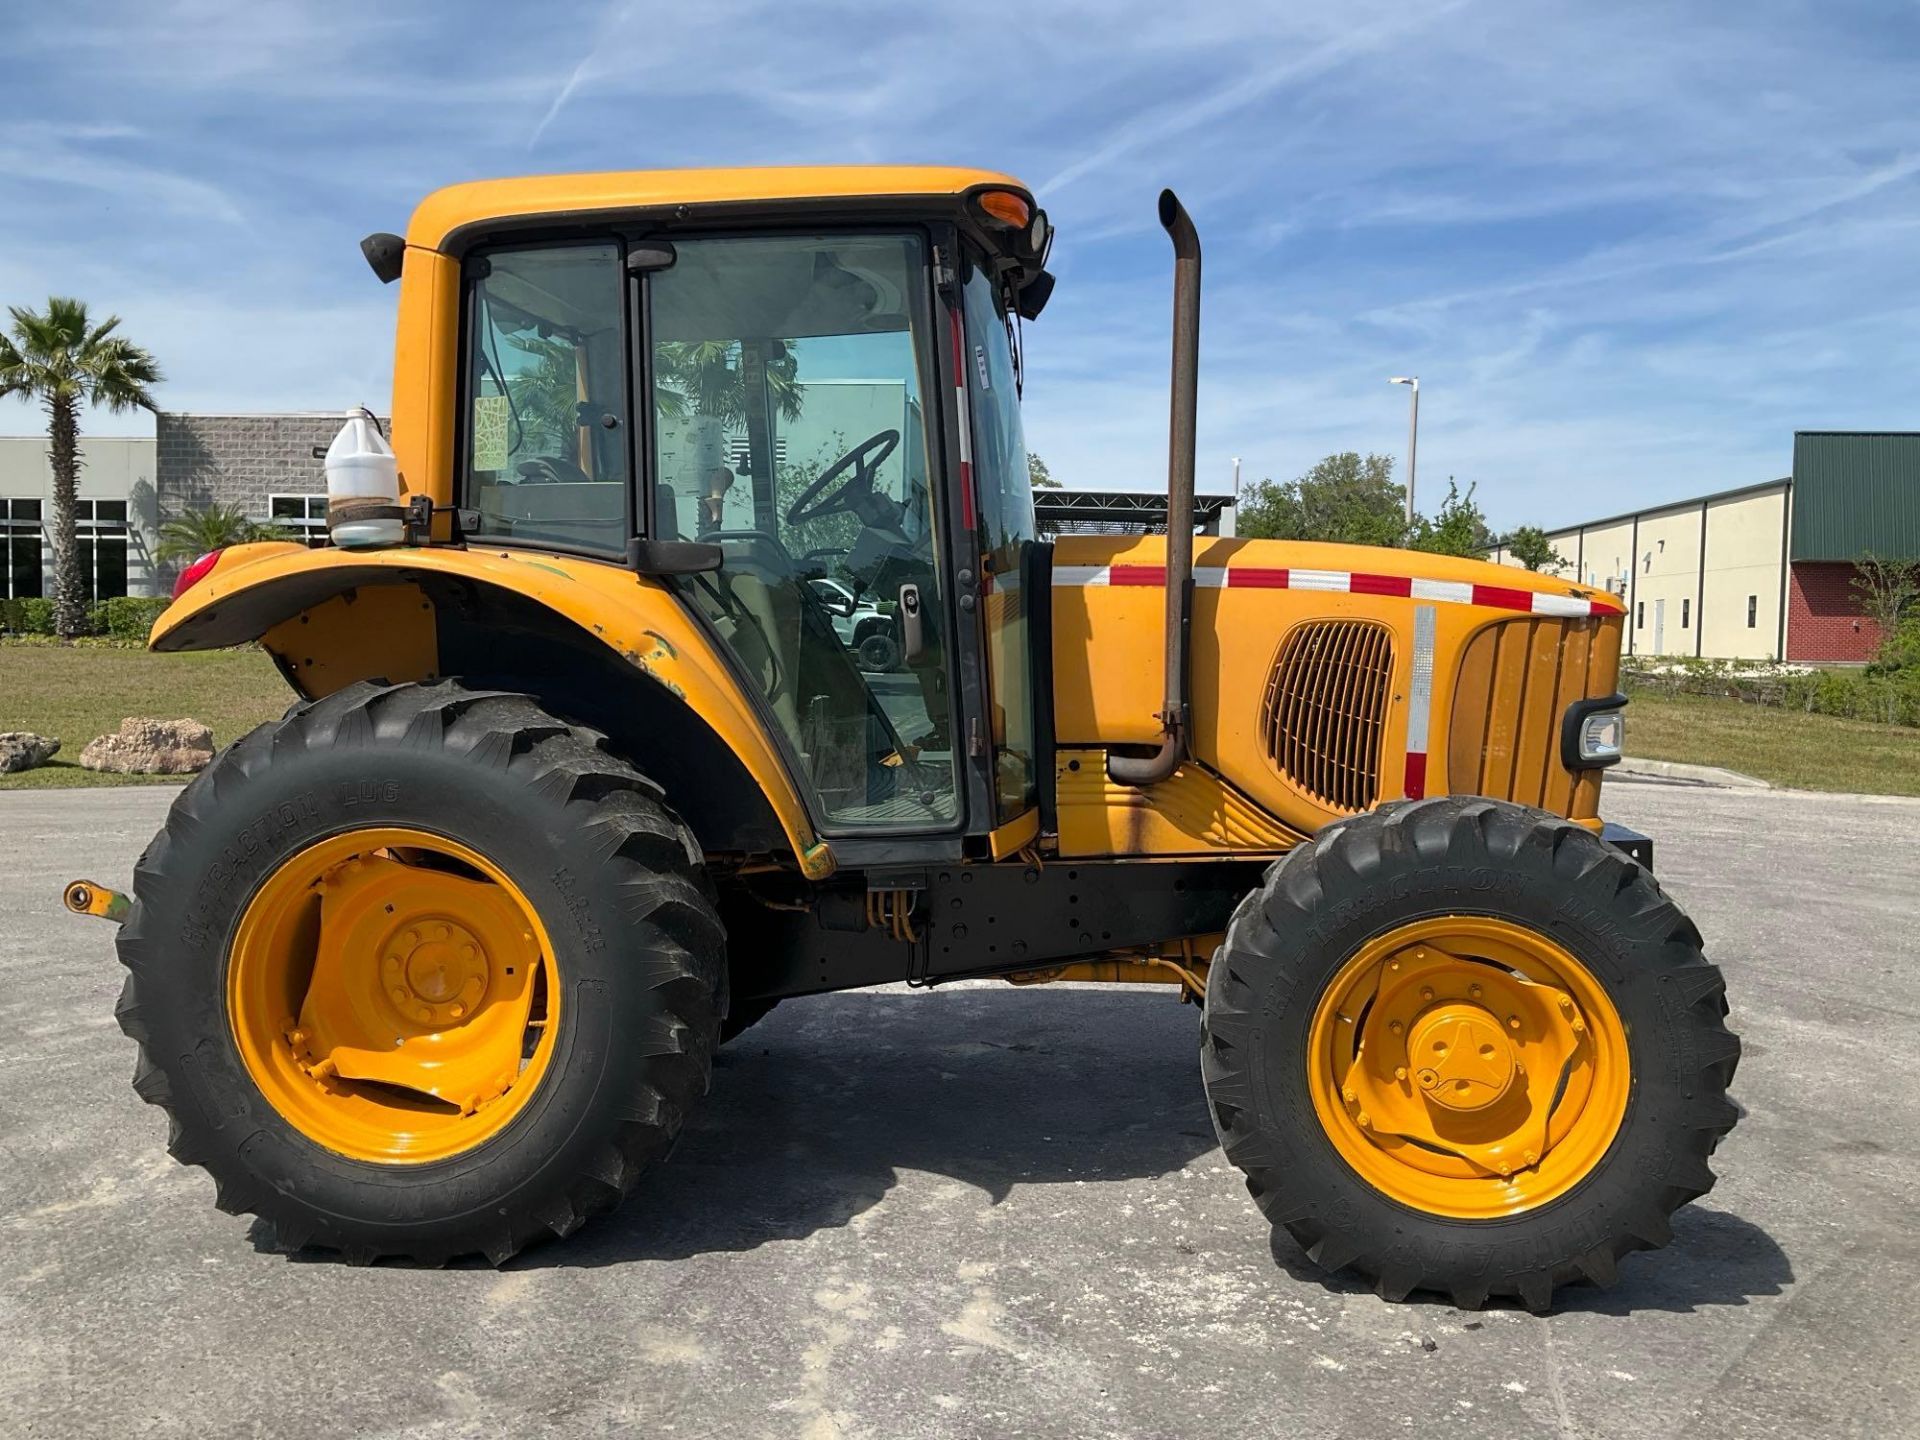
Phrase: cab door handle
(912, 636)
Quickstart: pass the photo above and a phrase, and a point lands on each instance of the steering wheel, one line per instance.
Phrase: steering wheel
(865, 458)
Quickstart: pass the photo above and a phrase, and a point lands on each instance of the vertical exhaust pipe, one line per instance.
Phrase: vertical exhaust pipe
(1174, 717)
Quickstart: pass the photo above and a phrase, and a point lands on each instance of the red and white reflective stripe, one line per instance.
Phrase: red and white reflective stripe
(1426, 622)
(1343, 582)
(958, 327)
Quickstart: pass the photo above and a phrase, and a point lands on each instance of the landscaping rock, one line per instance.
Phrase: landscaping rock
(22, 750)
(152, 747)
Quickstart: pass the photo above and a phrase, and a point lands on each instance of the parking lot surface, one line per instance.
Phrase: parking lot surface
(987, 1211)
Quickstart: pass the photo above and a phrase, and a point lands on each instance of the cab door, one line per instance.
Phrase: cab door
(790, 376)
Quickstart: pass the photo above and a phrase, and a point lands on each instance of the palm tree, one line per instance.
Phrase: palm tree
(189, 536)
(708, 377)
(60, 358)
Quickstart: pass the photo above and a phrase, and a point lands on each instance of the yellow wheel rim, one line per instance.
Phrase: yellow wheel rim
(1468, 1067)
(393, 995)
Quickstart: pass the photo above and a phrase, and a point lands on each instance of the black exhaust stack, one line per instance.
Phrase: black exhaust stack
(1174, 718)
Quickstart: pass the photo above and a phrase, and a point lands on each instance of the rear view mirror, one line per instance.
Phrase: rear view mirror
(833, 598)
(1034, 295)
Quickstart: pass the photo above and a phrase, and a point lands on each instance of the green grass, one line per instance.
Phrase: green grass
(82, 691)
(77, 692)
(1783, 747)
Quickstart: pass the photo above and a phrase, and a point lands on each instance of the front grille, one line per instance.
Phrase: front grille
(1326, 708)
(1517, 678)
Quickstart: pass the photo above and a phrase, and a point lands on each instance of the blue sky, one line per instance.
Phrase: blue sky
(1629, 248)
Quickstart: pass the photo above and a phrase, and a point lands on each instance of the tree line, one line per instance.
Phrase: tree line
(1351, 499)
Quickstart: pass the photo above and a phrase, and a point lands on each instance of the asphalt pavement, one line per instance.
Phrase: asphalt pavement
(982, 1211)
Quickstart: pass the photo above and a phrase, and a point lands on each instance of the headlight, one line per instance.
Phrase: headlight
(1603, 736)
(1594, 734)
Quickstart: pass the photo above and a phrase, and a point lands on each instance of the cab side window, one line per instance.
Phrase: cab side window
(1004, 493)
(546, 424)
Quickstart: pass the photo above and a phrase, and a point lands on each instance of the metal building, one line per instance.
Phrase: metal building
(1762, 572)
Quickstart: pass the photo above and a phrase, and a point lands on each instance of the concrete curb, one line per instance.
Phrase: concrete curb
(1631, 768)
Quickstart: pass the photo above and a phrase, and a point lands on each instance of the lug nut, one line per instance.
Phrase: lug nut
(1366, 1120)
(1399, 1072)
(1347, 1095)
(1426, 992)
(1473, 992)
(1513, 1022)
(1395, 1026)
(1533, 1157)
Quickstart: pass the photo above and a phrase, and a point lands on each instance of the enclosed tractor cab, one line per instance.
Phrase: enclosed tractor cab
(720, 663)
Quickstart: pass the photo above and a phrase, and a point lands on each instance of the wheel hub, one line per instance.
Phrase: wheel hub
(1465, 1061)
(1466, 1049)
(436, 970)
(385, 995)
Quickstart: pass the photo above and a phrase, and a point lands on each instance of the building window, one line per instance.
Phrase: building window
(1640, 616)
(100, 528)
(1753, 610)
(1686, 610)
(21, 574)
(740, 453)
(302, 516)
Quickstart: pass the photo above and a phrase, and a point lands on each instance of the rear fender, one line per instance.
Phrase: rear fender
(333, 617)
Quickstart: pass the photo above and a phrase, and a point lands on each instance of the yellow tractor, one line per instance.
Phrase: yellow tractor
(713, 658)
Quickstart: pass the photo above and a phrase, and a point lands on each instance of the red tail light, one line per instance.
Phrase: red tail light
(196, 572)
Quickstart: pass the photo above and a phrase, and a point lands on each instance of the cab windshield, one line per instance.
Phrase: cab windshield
(790, 377)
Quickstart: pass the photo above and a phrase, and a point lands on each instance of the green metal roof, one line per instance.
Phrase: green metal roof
(1855, 491)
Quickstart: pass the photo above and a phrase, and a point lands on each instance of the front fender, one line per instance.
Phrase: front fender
(333, 617)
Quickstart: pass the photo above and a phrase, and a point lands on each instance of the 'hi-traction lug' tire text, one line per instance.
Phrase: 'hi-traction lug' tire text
(613, 876)
(1401, 866)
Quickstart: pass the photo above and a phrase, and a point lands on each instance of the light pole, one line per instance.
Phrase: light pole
(1413, 434)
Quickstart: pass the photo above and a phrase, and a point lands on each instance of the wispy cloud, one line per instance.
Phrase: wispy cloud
(1265, 76)
(616, 17)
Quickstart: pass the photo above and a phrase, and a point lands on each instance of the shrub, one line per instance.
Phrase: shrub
(130, 617)
(33, 616)
(1883, 696)
(125, 618)
(1900, 651)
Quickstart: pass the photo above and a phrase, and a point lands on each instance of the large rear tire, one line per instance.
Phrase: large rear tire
(422, 971)
(1462, 1046)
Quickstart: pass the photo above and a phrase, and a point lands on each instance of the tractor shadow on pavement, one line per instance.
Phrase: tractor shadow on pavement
(816, 1111)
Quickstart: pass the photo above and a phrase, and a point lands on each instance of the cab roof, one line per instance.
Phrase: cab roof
(457, 207)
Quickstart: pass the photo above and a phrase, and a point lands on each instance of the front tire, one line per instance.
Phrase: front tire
(1462, 1046)
(422, 971)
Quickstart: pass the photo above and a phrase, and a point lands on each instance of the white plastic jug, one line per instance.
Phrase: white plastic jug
(363, 476)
